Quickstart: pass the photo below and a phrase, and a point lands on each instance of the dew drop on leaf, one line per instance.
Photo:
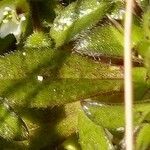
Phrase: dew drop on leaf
(24, 53)
(40, 78)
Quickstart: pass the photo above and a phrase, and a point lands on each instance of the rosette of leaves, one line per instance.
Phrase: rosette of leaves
(61, 74)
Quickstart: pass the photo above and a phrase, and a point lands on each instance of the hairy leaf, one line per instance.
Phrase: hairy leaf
(48, 77)
(103, 40)
(38, 40)
(34, 93)
(76, 17)
(105, 43)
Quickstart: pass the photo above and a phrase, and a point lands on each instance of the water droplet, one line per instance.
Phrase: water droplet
(5, 133)
(140, 57)
(9, 74)
(40, 78)
(85, 108)
(22, 17)
(10, 17)
(98, 3)
(67, 21)
(117, 15)
(6, 105)
(1, 76)
(84, 12)
(24, 53)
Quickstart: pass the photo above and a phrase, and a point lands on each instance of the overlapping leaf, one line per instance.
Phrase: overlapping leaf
(76, 17)
(92, 136)
(11, 126)
(103, 114)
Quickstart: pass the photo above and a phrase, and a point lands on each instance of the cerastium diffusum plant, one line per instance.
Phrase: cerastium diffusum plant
(62, 74)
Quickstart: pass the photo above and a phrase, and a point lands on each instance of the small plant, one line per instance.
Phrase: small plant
(61, 74)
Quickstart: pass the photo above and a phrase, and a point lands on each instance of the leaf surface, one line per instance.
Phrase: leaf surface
(11, 126)
(91, 135)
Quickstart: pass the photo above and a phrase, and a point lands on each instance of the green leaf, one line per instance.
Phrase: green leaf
(137, 30)
(144, 4)
(55, 77)
(146, 24)
(104, 43)
(140, 83)
(103, 40)
(51, 124)
(102, 114)
(143, 137)
(11, 126)
(54, 64)
(76, 17)
(34, 93)
(16, 65)
(118, 12)
(143, 47)
(91, 135)
(64, 78)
